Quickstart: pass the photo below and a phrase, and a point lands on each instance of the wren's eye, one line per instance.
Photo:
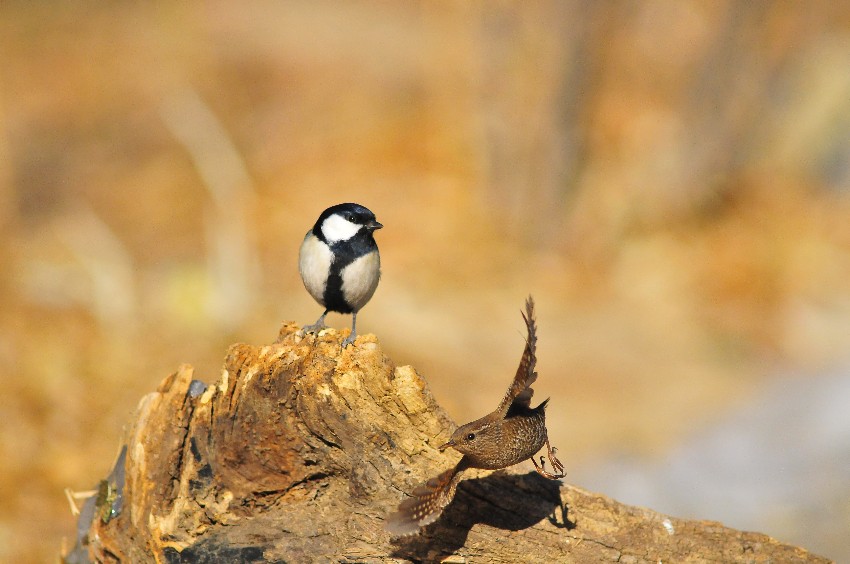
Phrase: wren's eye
(470, 436)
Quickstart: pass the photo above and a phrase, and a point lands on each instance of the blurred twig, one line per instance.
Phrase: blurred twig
(233, 263)
(107, 262)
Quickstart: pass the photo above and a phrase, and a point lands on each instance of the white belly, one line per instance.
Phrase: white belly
(360, 279)
(314, 263)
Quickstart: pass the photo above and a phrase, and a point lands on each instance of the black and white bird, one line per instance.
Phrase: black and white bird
(339, 262)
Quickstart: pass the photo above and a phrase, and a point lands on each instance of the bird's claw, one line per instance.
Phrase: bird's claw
(314, 328)
(557, 466)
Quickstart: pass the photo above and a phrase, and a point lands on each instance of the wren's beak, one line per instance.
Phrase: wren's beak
(373, 225)
(447, 445)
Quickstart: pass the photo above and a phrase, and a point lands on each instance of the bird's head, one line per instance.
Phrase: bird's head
(343, 221)
(474, 437)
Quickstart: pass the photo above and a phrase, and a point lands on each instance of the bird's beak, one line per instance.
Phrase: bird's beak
(447, 445)
(373, 225)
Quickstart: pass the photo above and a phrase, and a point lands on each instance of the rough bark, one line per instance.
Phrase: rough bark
(302, 448)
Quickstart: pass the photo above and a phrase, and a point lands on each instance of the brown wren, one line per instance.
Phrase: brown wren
(512, 433)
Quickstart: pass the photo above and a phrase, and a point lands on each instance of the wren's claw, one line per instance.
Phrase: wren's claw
(557, 466)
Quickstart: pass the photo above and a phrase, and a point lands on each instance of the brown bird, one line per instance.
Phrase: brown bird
(512, 433)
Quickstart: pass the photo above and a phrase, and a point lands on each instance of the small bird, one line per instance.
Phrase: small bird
(339, 262)
(512, 433)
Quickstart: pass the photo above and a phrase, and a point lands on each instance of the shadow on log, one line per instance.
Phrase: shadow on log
(301, 450)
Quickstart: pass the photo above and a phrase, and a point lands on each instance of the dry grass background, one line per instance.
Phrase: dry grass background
(670, 180)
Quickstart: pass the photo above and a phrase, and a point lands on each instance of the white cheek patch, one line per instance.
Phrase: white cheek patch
(337, 228)
(314, 262)
(360, 279)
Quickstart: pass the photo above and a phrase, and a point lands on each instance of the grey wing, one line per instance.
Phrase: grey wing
(520, 392)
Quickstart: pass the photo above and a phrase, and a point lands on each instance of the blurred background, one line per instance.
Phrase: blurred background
(671, 180)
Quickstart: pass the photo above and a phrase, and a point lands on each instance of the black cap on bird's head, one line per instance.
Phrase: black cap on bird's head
(342, 221)
(355, 213)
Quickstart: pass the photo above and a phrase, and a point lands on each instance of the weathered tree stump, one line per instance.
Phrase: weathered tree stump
(301, 450)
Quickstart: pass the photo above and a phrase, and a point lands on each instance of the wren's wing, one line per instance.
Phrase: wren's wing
(426, 503)
(520, 392)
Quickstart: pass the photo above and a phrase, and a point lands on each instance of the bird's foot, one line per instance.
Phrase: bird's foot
(353, 335)
(349, 340)
(317, 326)
(557, 466)
(314, 328)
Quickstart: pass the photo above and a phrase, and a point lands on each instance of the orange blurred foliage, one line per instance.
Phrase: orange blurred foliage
(670, 180)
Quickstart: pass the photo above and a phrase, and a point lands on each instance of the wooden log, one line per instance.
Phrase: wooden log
(300, 451)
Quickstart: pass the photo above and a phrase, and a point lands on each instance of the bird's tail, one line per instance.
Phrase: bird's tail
(426, 503)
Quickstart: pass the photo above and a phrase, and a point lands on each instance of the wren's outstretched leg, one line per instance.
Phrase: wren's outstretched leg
(556, 464)
(318, 325)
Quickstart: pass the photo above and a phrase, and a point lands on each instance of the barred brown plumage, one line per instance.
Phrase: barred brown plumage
(513, 432)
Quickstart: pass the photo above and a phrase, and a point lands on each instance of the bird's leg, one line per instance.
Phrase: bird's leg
(318, 325)
(350, 339)
(556, 464)
(541, 467)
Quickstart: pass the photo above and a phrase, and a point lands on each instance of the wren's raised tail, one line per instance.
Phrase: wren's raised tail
(512, 433)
